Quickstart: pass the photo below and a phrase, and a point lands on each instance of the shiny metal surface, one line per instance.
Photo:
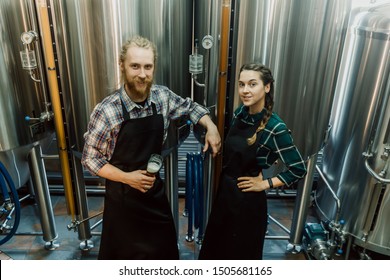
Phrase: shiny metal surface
(42, 194)
(89, 36)
(301, 41)
(360, 124)
(20, 96)
(207, 23)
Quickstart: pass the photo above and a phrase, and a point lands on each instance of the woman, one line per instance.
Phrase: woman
(257, 138)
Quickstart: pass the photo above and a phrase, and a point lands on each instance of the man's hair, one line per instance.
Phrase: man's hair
(140, 42)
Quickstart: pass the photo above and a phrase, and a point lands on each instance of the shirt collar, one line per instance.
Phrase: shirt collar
(130, 105)
(243, 114)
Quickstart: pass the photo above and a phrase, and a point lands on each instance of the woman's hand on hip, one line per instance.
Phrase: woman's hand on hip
(252, 184)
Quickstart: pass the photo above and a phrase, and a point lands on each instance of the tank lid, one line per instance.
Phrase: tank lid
(374, 22)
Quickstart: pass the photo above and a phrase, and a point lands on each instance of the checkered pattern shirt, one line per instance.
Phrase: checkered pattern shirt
(275, 143)
(107, 117)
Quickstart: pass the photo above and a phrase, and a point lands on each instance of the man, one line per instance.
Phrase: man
(125, 129)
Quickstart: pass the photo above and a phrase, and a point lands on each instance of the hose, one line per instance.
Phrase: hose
(15, 198)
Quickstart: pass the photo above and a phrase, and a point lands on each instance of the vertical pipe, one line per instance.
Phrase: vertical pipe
(302, 202)
(47, 44)
(208, 191)
(222, 78)
(84, 229)
(196, 184)
(201, 200)
(189, 192)
(172, 184)
(42, 196)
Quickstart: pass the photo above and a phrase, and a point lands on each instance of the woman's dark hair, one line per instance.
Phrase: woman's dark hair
(267, 78)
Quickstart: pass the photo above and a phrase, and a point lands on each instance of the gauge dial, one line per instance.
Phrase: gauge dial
(28, 37)
(207, 42)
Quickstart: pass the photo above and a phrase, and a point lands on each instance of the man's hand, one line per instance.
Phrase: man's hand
(212, 139)
(138, 179)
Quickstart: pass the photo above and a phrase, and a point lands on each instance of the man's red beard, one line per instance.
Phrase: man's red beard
(139, 93)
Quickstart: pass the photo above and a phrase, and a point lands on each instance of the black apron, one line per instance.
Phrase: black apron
(137, 225)
(238, 220)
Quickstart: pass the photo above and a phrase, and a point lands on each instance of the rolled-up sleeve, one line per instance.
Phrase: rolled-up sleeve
(97, 142)
(179, 106)
(289, 154)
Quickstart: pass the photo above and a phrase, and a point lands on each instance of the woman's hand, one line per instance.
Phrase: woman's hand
(252, 184)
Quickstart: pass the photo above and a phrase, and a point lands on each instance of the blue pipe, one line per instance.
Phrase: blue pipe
(201, 200)
(196, 190)
(194, 195)
(189, 195)
(15, 198)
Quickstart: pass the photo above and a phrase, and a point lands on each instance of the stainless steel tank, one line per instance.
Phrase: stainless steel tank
(89, 37)
(355, 159)
(20, 96)
(301, 41)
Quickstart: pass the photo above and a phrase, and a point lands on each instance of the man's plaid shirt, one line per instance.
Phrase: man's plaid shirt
(106, 119)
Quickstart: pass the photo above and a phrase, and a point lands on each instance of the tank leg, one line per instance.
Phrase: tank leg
(51, 245)
(302, 203)
(86, 245)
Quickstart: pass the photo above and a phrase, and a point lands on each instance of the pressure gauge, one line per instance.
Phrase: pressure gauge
(28, 37)
(207, 42)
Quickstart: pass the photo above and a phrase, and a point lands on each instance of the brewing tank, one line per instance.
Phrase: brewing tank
(301, 42)
(20, 96)
(89, 37)
(359, 140)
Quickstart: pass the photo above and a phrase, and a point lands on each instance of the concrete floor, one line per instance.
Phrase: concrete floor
(28, 243)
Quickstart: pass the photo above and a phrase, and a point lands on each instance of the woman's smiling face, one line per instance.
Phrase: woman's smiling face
(252, 90)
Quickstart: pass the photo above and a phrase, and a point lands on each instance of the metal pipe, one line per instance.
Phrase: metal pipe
(42, 78)
(189, 195)
(34, 233)
(279, 224)
(84, 230)
(201, 200)
(42, 196)
(172, 183)
(194, 77)
(47, 43)
(98, 223)
(338, 203)
(196, 187)
(372, 172)
(277, 237)
(222, 79)
(301, 205)
(77, 223)
(208, 192)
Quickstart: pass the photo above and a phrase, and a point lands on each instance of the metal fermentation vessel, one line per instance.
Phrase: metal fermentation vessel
(355, 159)
(20, 96)
(89, 37)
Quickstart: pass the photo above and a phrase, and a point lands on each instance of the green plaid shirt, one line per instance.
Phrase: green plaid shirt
(275, 143)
